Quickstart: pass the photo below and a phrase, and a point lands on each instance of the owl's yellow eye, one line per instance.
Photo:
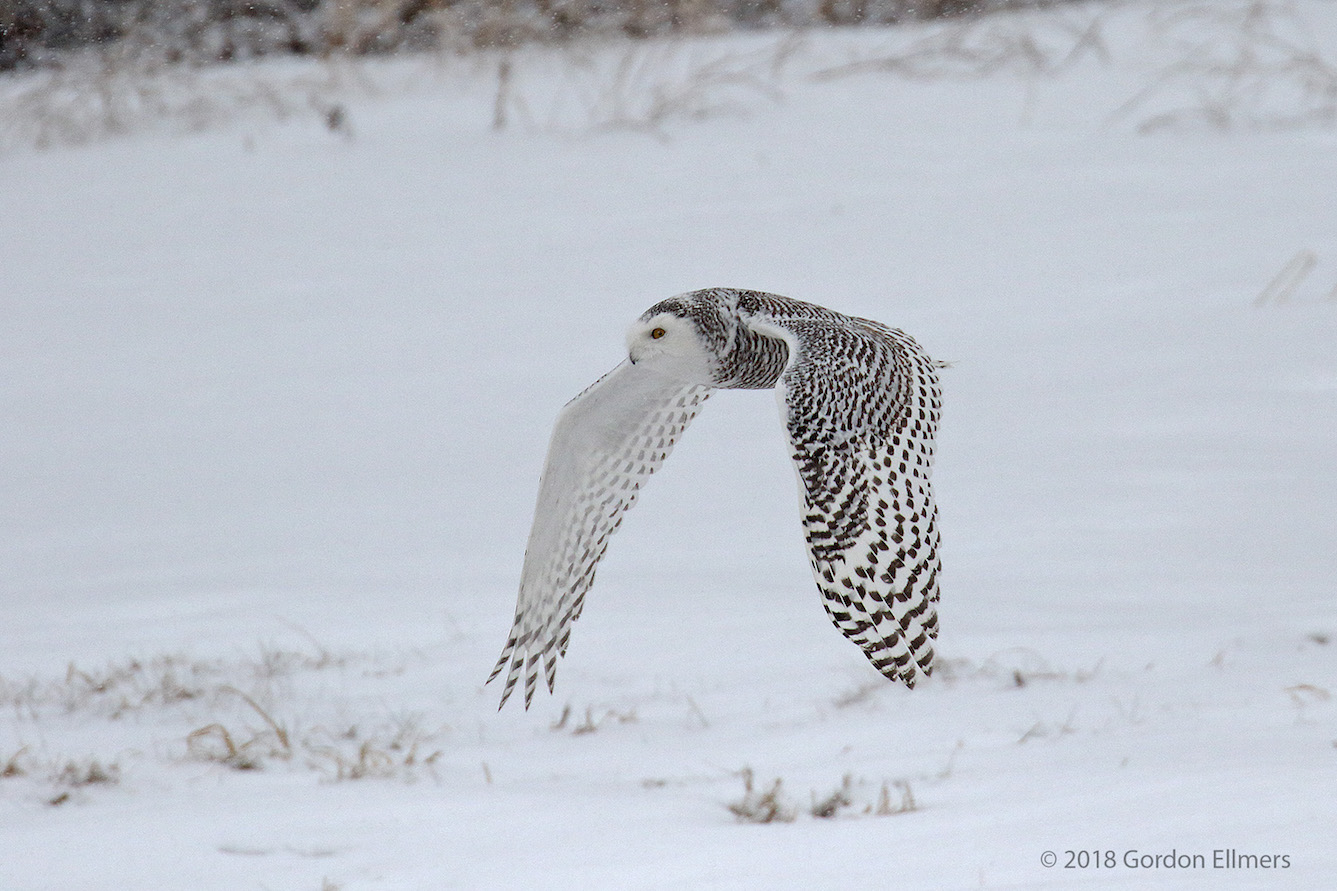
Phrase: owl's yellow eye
(658, 333)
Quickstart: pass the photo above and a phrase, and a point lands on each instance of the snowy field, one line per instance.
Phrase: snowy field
(274, 399)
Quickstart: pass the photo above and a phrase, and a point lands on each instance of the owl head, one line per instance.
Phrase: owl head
(683, 337)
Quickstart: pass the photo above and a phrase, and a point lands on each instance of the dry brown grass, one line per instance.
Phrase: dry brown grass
(400, 749)
(1223, 65)
(110, 92)
(638, 86)
(1044, 43)
(242, 703)
(771, 806)
(1287, 287)
(853, 797)
(590, 724)
(64, 778)
(1235, 65)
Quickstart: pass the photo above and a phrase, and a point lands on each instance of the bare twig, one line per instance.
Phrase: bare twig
(1289, 279)
(1254, 64)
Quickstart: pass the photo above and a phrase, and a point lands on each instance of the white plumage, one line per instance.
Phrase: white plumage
(860, 402)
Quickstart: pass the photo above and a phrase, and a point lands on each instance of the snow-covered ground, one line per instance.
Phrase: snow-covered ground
(273, 402)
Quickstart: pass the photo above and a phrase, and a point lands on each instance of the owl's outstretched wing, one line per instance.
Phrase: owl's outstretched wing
(861, 403)
(605, 444)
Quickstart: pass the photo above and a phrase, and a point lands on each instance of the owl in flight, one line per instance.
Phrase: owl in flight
(860, 403)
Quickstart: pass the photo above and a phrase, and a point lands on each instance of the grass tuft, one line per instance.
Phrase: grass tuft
(972, 48)
(830, 805)
(14, 767)
(851, 797)
(77, 774)
(225, 712)
(590, 724)
(904, 805)
(214, 742)
(770, 806)
(1246, 64)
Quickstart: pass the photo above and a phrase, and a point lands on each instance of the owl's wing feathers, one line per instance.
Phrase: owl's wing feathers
(605, 444)
(861, 403)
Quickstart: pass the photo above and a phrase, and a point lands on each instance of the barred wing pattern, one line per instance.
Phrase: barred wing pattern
(861, 403)
(606, 442)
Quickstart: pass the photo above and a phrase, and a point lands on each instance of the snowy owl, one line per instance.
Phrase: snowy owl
(860, 402)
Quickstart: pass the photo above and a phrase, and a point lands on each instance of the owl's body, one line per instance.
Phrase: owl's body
(860, 402)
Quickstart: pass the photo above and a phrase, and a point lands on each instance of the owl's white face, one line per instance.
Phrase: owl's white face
(672, 346)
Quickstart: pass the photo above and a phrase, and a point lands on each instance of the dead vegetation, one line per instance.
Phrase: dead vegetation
(853, 797)
(111, 690)
(13, 767)
(119, 687)
(1046, 43)
(214, 742)
(1253, 65)
(63, 778)
(107, 93)
(1226, 65)
(646, 86)
(41, 33)
(590, 724)
(351, 753)
(397, 749)
(1014, 667)
(770, 806)
(1285, 288)
(241, 730)
(89, 772)
(1237, 64)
